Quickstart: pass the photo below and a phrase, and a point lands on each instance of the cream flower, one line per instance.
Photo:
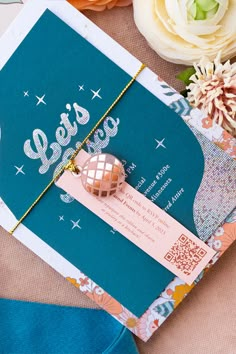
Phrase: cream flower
(182, 31)
(98, 5)
(213, 90)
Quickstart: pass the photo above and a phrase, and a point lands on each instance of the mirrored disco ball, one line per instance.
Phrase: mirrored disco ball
(102, 175)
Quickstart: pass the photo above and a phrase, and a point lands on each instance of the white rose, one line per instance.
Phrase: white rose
(182, 31)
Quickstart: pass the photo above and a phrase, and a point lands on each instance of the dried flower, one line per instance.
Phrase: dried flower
(98, 5)
(213, 90)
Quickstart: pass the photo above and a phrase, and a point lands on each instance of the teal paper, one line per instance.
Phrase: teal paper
(53, 61)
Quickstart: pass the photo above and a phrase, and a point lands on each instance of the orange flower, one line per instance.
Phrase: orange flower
(98, 5)
(207, 123)
(228, 140)
(84, 281)
(180, 292)
(73, 281)
(228, 237)
(106, 302)
(147, 325)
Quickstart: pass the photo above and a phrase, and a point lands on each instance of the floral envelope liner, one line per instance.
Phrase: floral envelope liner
(177, 290)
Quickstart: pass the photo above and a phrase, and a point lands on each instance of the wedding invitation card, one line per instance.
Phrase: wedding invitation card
(56, 84)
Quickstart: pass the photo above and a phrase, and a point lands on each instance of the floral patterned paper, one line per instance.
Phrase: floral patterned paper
(177, 290)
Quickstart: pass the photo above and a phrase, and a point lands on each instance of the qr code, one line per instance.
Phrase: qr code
(185, 254)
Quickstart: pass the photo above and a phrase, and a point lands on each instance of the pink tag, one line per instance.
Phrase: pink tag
(145, 224)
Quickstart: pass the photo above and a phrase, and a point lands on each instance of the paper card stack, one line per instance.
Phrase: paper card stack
(60, 74)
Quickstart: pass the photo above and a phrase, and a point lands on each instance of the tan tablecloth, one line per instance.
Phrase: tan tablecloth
(205, 322)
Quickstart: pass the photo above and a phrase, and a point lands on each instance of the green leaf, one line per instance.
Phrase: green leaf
(184, 93)
(185, 75)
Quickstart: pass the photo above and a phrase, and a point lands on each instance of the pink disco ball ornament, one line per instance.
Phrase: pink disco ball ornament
(103, 175)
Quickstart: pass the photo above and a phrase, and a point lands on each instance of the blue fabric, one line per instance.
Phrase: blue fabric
(32, 328)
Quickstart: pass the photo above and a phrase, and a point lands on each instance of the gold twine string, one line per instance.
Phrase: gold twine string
(70, 165)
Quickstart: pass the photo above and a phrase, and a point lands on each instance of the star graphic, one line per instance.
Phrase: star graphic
(20, 170)
(75, 224)
(26, 93)
(81, 87)
(40, 100)
(96, 94)
(61, 218)
(160, 143)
